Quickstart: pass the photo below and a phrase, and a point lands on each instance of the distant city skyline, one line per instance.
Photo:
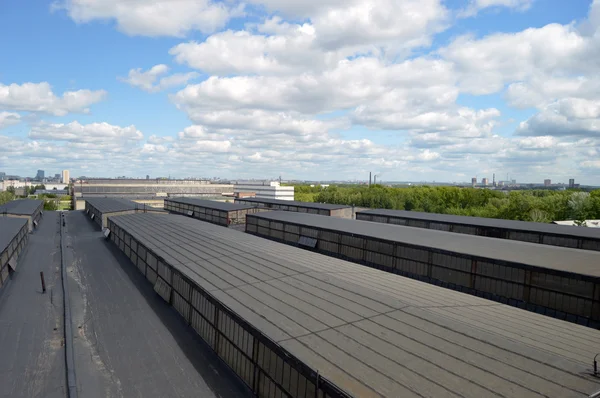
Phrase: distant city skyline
(409, 90)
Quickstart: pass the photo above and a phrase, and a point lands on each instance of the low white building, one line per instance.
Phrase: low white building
(265, 189)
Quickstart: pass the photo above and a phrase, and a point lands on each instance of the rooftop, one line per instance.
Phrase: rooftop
(9, 228)
(312, 205)
(212, 204)
(563, 259)
(21, 207)
(374, 333)
(112, 205)
(489, 222)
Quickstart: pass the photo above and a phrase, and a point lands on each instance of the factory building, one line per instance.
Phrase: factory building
(556, 281)
(31, 210)
(264, 190)
(323, 209)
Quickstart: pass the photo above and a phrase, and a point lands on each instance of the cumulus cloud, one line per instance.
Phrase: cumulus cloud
(8, 119)
(153, 18)
(476, 6)
(105, 134)
(38, 97)
(149, 80)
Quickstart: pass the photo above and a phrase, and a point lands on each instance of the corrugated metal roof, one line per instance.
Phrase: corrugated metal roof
(583, 262)
(211, 204)
(309, 205)
(9, 228)
(524, 226)
(22, 207)
(374, 333)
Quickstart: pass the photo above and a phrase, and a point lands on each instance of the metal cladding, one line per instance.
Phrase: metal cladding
(323, 209)
(221, 213)
(100, 208)
(547, 234)
(294, 323)
(558, 282)
(13, 237)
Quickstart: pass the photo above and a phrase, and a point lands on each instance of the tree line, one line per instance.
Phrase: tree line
(527, 205)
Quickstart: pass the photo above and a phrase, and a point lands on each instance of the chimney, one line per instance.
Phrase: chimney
(369, 178)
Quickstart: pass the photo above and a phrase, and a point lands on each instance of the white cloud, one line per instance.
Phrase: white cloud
(38, 97)
(147, 80)
(153, 18)
(477, 5)
(103, 135)
(9, 119)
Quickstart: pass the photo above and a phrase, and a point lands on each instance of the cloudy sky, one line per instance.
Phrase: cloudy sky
(415, 90)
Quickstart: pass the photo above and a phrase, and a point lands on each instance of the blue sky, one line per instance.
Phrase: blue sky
(329, 89)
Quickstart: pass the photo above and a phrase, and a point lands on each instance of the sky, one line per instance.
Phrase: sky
(410, 90)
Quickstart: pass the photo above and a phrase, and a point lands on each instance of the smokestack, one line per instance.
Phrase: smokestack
(369, 178)
(375, 179)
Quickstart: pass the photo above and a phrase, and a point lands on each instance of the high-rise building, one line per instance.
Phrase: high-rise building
(65, 176)
(473, 181)
(57, 176)
(147, 177)
(484, 181)
(571, 183)
(2, 176)
(40, 175)
(547, 182)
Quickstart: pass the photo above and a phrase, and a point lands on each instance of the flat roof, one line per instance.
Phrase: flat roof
(312, 205)
(112, 205)
(21, 207)
(211, 204)
(582, 262)
(524, 226)
(9, 228)
(373, 333)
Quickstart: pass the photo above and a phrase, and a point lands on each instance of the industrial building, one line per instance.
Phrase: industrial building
(150, 192)
(556, 281)
(299, 324)
(323, 209)
(31, 210)
(13, 238)
(99, 209)
(547, 234)
(264, 190)
(221, 213)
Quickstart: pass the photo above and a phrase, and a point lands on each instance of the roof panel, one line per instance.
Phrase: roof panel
(309, 205)
(9, 228)
(553, 257)
(22, 207)
(406, 338)
(515, 225)
(211, 204)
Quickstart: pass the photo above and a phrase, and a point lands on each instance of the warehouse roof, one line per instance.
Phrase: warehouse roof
(9, 228)
(489, 222)
(583, 262)
(211, 204)
(312, 205)
(21, 207)
(112, 205)
(374, 333)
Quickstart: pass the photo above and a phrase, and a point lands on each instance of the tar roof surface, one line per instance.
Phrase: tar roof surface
(311, 205)
(489, 222)
(374, 333)
(583, 262)
(22, 207)
(9, 227)
(211, 204)
(112, 205)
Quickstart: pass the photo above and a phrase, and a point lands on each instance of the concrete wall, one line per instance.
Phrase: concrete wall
(575, 298)
(14, 249)
(266, 368)
(491, 232)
